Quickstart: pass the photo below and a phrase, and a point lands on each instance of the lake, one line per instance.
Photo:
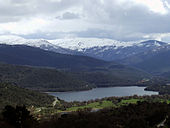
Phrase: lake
(102, 92)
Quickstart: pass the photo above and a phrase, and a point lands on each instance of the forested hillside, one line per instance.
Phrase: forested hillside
(98, 72)
(14, 95)
(44, 79)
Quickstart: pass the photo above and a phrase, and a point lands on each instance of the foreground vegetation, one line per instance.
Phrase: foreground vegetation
(39, 110)
(62, 107)
(41, 104)
(139, 115)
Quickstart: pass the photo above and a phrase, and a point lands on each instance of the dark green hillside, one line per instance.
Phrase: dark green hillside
(113, 76)
(93, 71)
(25, 55)
(162, 89)
(44, 79)
(14, 95)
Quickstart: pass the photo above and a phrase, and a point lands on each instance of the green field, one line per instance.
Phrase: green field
(130, 101)
(94, 105)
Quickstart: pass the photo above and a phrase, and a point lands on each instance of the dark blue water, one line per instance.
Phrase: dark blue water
(102, 92)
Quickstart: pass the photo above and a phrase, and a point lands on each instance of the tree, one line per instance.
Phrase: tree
(18, 117)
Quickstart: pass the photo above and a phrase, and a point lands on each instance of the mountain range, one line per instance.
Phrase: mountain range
(155, 61)
(26, 55)
(145, 55)
(90, 70)
(105, 49)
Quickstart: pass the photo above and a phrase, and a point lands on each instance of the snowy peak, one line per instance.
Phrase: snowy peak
(106, 49)
(153, 42)
(79, 44)
(12, 40)
(16, 40)
(85, 43)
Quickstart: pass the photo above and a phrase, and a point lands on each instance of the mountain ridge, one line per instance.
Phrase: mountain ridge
(90, 70)
(105, 49)
(128, 53)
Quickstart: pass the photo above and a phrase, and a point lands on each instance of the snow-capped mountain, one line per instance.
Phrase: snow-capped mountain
(80, 44)
(105, 49)
(40, 43)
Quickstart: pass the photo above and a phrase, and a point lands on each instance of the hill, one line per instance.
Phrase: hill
(166, 74)
(115, 75)
(155, 61)
(44, 79)
(25, 55)
(14, 95)
(158, 63)
(93, 71)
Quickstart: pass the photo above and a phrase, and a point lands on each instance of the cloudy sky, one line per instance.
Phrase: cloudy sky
(124, 20)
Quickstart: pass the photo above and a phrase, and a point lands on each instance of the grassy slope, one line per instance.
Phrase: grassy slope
(95, 105)
(106, 104)
(101, 104)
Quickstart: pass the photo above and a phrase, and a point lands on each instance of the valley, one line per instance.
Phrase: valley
(27, 71)
(84, 64)
(99, 93)
(40, 68)
(63, 70)
(43, 69)
(48, 114)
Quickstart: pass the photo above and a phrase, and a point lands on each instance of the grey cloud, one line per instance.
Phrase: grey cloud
(128, 19)
(19, 9)
(69, 15)
(125, 21)
(90, 33)
(50, 36)
(111, 34)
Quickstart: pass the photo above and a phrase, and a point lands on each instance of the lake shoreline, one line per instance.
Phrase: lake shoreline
(136, 85)
(97, 93)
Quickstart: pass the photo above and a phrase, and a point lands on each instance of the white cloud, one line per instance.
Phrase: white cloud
(27, 26)
(118, 19)
(156, 6)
